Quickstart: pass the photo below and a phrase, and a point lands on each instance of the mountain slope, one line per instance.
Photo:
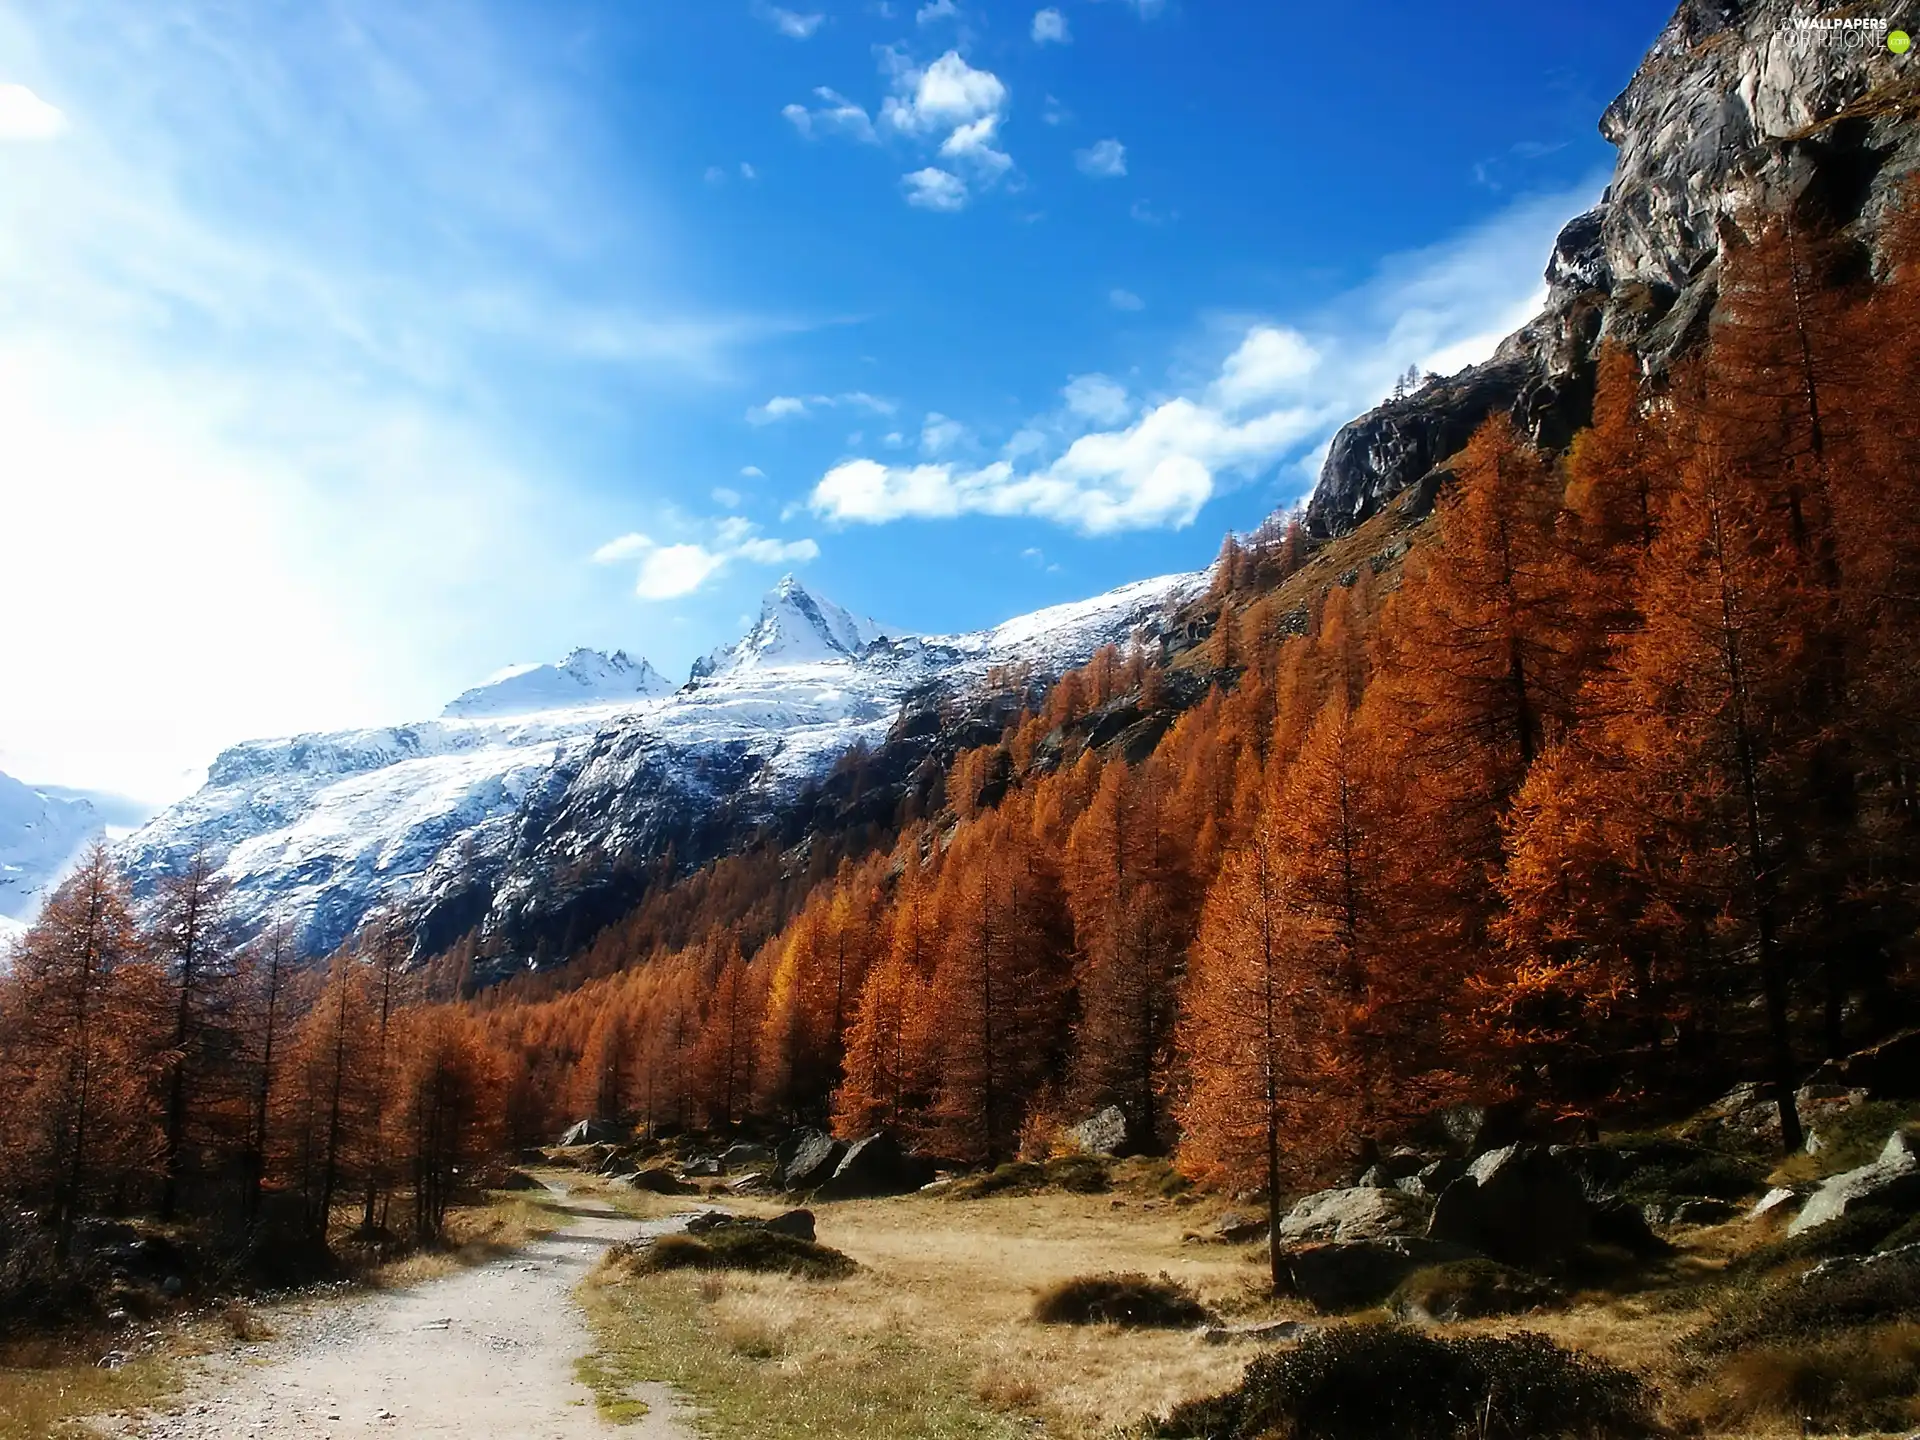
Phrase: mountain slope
(40, 835)
(536, 827)
(1738, 108)
(586, 677)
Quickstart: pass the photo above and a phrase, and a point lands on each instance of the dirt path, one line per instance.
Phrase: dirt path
(487, 1354)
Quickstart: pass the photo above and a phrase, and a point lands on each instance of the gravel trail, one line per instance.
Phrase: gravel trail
(486, 1354)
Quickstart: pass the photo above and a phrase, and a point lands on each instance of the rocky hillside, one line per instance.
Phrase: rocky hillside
(1739, 107)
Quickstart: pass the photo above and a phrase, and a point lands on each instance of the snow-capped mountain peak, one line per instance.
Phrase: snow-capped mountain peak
(796, 627)
(41, 833)
(585, 677)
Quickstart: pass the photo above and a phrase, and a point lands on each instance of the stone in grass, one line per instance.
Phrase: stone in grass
(657, 1180)
(1361, 1213)
(1520, 1205)
(811, 1158)
(1892, 1182)
(1470, 1290)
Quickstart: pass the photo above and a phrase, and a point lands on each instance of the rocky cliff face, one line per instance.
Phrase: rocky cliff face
(1738, 109)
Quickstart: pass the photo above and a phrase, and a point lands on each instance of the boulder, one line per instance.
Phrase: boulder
(593, 1132)
(1702, 1210)
(518, 1180)
(797, 1223)
(1519, 1205)
(747, 1155)
(1887, 1071)
(875, 1166)
(1622, 1223)
(810, 1159)
(1775, 1202)
(1362, 1213)
(1341, 1276)
(1107, 1132)
(705, 1220)
(1430, 1180)
(657, 1180)
(704, 1167)
(1473, 1130)
(754, 1182)
(1387, 1173)
(1892, 1181)
(1236, 1227)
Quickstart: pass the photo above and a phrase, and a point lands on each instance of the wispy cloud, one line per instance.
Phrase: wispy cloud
(834, 115)
(792, 407)
(670, 572)
(1050, 28)
(1104, 160)
(791, 23)
(936, 11)
(932, 188)
(1276, 394)
(1121, 299)
(25, 116)
(243, 357)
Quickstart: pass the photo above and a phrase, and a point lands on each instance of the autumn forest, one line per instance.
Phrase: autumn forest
(1602, 796)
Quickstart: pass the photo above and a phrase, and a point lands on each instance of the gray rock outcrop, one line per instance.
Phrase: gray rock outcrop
(1362, 1213)
(1736, 108)
(1520, 1205)
(1892, 1180)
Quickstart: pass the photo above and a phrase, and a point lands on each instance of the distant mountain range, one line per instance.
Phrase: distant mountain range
(527, 806)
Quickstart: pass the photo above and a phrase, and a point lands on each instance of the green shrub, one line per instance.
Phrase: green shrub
(738, 1247)
(1079, 1174)
(1469, 1289)
(1661, 1170)
(1387, 1382)
(1136, 1301)
(1816, 1305)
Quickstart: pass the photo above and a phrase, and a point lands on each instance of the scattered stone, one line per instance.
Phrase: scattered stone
(1473, 1130)
(757, 1182)
(811, 1159)
(657, 1180)
(798, 1223)
(1236, 1227)
(1519, 1205)
(875, 1166)
(704, 1167)
(1105, 1133)
(1340, 1276)
(1389, 1172)
(702, 1221)
(1702, 1211)
(1361, 1213)
(1261, 1332)
(1892, 1181)
(747, 1155)
(1773, 1202)
(593, 1132)
(518, 1180)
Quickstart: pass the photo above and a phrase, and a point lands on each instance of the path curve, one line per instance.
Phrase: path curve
(486, 1354)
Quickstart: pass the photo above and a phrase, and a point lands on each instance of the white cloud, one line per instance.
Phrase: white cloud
(1104, 160)
(715, 175)
(937, 10)
(1050, 27)
(726, 497)
(778, 408)
(1098, 398)
(940, 434)
(1054, 113)
(972, 145)
(947, 94)
(793, 25)
(1145, 213)
(753, 472)
(835, 115)
(1271, 362)
(935, 189)
(668, 572)
(787, 407)
(625, 547)
(1125, 300)
(747, 172)
(675, 570)
(25, 116)
(1269, 404)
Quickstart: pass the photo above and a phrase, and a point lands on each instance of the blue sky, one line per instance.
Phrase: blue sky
(350, 351)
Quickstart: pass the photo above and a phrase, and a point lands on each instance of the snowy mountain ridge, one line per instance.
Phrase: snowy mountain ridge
(585, 677)
(41, 835)
(551, 780)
